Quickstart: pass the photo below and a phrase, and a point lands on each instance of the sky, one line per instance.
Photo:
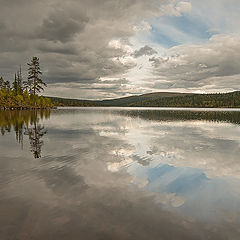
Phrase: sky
(91, 49)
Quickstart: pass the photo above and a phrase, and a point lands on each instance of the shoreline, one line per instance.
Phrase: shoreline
(27, 108)
(127, 107)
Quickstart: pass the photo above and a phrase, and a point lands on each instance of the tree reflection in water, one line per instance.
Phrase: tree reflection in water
(25, 123)
(35, 134)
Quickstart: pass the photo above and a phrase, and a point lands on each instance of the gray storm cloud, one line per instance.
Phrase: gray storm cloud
(144, 51)
(83, 42)
(71, 38)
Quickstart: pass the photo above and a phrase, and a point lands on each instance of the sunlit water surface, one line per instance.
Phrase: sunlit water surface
(119, 173)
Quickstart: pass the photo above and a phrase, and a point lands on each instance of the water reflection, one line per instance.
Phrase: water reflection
(160, 114)
(122, 174)
(35, 133)
(25, 123)
(186, 115)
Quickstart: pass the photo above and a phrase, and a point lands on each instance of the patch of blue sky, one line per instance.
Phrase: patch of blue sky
(179, 180)
(206, 19)
(221, 15)
(165, 178)
(170, 31)
(191, 181)
(191, 186)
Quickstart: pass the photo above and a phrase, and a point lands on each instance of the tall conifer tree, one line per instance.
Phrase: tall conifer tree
(7, 85)
(19, 82)
(1, 83)
(34, 83)
(15, 85)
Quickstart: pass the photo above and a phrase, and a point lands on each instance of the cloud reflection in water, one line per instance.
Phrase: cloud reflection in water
(110, 174)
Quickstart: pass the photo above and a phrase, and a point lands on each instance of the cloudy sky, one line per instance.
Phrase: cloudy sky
(91, 49)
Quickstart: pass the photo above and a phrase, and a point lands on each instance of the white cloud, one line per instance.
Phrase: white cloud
(117, 44)
(143, 26)
(184, 7)
(213, 65)
(83, 41)
(175, 8)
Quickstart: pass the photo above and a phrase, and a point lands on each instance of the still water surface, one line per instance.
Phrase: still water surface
(119, 173)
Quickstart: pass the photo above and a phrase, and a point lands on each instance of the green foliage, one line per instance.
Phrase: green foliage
(1, 83)
(9, 99)
(20, 96)
(72, 102)
(228, 100)
(34, 83)
(6, 85)
(17, 83)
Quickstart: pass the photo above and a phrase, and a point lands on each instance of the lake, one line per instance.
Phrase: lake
(120, 173)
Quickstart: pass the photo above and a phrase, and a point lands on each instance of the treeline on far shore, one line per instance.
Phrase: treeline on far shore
(22, 94)
(217, 100)
(67, 102)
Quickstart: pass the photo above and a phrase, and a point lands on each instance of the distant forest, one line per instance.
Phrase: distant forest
(218, 100)
(231, 100)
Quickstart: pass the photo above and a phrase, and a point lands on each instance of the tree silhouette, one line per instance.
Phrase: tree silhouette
(15, 85)
(18, 128)
(34, 83)
(6, 85)
(19, 82)
(1, 83)
(35, 133)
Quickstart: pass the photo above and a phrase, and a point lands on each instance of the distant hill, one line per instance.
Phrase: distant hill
(57, 101)
(125, 101)
(160, 99)
(132, 100)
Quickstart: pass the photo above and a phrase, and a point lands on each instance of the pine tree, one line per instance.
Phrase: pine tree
(35, 133)
(15, 85)
(1, 83)
(19, 82)
(35, 84)
(6, 85)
